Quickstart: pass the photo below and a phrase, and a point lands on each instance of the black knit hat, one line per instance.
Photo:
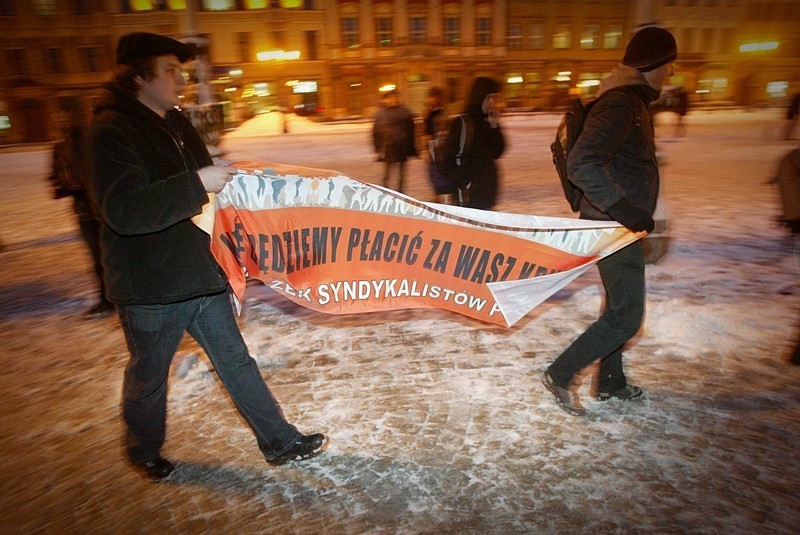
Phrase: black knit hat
(650, 48)
(141, 45)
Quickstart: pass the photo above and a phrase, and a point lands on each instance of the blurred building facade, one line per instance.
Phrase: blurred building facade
(331, 58)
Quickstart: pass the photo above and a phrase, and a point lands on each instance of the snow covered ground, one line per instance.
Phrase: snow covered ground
(438, 424)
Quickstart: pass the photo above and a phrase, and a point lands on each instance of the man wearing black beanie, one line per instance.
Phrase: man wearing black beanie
(614, 165)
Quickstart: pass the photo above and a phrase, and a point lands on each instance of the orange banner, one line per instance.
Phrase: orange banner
(337, 245)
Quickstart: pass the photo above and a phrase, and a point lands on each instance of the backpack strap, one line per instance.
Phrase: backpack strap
(462, 141)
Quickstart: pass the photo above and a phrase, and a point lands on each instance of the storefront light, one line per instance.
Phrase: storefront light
(765, 46)
(278, 55)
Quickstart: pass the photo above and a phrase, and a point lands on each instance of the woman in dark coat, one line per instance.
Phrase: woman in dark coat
(484, 144)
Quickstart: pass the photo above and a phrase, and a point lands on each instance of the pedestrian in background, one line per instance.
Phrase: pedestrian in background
(393, 137)
(68, 178)
(435, 130)
(614, 164)
(485, 143)
(150, 174)
(792, 116)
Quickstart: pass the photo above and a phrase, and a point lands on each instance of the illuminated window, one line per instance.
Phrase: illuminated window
(612, 39)
(562, 37)
(219, 5)
(590, 37)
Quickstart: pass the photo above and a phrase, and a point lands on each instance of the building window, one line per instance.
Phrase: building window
(278, 39)
(54, 60)
(514, 37)
(43, 7)
(416, 30)
(218, 5)
(452, 31)
(311, 45)
(536, 37)
(350, 32)
(15, 59)
(243, 43)
(590, 37)
(562, 37)
(726, 42)
(92, 59)
(709, 35)
(383, 28)
(483, 31)
(612, 39)
(7, 8)
(687, 40)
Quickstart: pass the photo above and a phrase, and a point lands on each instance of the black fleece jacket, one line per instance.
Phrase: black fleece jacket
(143, 181)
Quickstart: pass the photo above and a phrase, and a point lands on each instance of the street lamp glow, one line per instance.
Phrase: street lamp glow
(514, 80)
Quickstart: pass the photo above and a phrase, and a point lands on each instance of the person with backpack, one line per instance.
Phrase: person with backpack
(475, 140)
(435, 124)
(613, 164)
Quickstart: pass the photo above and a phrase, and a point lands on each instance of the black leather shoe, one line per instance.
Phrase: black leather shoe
(306, 447)
(155, 469)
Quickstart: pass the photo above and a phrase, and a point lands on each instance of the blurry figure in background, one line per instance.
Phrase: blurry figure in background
(792, 116)
(393, 137)
(150, 174)
(68, 178)
(478, 174)
(788, 180)
(614, 165)
(435, 130)
(681, 108)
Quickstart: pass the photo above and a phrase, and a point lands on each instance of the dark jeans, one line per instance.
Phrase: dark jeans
(623, 277)
(401, 174)
(153, 333)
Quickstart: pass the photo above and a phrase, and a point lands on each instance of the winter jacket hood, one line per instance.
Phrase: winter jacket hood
(615, 157)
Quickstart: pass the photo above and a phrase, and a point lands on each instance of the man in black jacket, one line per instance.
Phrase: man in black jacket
(150, 174)
(614, 164)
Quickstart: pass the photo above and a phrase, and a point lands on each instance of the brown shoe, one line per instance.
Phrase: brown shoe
(566, 399)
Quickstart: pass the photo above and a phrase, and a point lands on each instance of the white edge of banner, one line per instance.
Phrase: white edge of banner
(516, 298)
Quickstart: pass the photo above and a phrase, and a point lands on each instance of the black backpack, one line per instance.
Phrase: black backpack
(449, 166)
(569, 129)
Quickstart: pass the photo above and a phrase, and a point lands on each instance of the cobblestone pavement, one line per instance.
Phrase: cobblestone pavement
(438, 424)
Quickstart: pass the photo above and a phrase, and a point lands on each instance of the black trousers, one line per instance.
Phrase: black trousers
(623, 278)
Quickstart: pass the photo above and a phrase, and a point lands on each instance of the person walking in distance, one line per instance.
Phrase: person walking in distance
(150, 174)
(614, 164)
(435, 123)
(393, 137)
(68, 179)
(478, 177)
